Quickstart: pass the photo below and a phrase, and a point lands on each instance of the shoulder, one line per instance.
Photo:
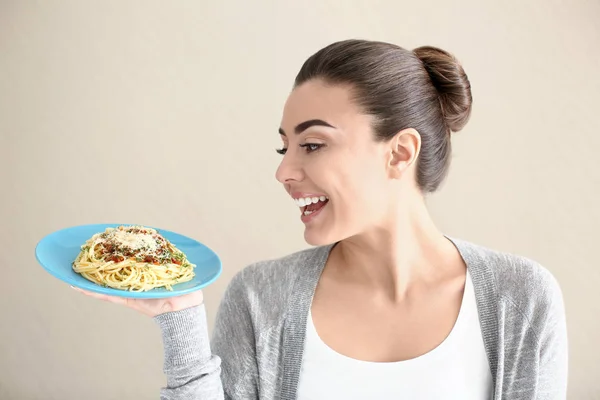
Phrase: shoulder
(265, 287)
(278, 273)
(515, 276)
(519, 282)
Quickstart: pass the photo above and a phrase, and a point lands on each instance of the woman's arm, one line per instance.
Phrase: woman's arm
(534, 349)
(553, 346)
(193, 371)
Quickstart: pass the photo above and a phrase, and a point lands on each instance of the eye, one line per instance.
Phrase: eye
(311, 147)
(281, 151)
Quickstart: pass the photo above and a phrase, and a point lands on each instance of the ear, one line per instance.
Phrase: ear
(404, 148)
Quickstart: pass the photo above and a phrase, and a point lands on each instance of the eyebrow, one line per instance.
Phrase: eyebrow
(301, 127)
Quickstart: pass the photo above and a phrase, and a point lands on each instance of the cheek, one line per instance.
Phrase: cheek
(362, 188)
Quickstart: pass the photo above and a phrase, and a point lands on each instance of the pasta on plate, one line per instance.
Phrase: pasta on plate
(134, 258)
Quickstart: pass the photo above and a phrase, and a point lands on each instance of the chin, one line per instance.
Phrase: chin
(325, 230)
(318, 237)
(315, 240)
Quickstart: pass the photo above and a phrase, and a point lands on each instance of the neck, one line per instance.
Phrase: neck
(391, 257)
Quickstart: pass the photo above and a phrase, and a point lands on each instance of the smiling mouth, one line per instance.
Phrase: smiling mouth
(307, 210)
(311, 205)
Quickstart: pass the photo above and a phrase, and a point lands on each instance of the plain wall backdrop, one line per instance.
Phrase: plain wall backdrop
(166, 114)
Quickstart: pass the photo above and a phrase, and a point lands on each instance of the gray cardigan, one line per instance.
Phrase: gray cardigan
(258, 338)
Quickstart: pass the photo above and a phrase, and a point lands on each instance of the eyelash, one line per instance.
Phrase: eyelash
(307, 146)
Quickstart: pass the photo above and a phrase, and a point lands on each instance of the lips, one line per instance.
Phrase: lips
(307, 200)
(310, 203)
(313, 207)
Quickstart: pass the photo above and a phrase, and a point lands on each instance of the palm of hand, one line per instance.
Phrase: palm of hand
(152, 307)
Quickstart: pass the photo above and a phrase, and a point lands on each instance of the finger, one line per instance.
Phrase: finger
(87, 292)
(104, 297)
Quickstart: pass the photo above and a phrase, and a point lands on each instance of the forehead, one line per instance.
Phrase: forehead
(317, 100)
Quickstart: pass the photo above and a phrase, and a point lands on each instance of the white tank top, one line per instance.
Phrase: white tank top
(457, 369)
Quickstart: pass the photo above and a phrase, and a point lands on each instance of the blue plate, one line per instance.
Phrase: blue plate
(57, 251)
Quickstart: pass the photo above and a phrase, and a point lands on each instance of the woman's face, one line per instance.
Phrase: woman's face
(332, 162)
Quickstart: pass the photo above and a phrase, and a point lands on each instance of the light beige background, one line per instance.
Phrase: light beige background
(166, 114)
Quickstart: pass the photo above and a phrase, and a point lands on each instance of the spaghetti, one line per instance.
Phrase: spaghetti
(133, 258)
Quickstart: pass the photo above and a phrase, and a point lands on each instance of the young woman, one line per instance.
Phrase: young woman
(384, 305)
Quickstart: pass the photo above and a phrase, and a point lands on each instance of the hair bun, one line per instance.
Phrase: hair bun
(451, 82)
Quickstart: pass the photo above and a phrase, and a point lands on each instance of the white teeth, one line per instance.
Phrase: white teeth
(308, 212)
(306, 201)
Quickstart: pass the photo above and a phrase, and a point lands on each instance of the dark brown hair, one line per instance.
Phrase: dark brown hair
(425, 89)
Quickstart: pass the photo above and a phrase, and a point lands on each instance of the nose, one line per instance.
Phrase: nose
(289, 170)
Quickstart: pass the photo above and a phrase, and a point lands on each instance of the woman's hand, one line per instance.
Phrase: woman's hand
(152, 307)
